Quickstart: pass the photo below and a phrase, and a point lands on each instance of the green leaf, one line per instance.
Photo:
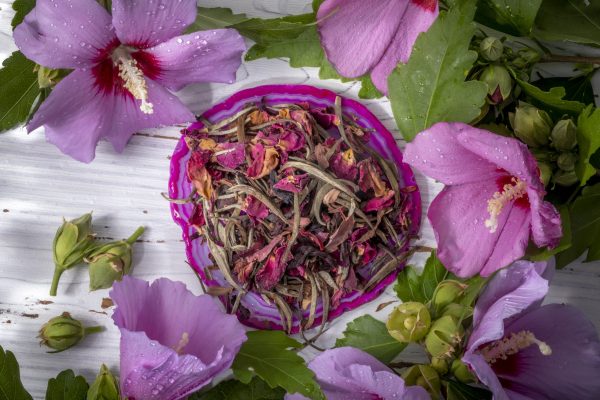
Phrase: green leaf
(536, 254)
(412, 287)
(460, 391)
(515, 17)
(19, 88)
(431, 87)
(67, 386)
(267, 31)
(585, 228)
(554, 98)
(370, 335)
(257, 389)
(11, 387)
(578, 88)
(571, 20)
(22, 8)
(270, 355)
(215, 18)
(588, 137)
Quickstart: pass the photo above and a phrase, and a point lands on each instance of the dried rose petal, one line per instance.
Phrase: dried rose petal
(292, 183)
(264, 160)
(344, 165)
(231, 155)
(370, 178)
(256, 210)
(379, 203)
(273, 269)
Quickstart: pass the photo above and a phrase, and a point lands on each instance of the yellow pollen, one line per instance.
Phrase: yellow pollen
(185, 339)
(348, 156)
(501, 349)
(133, 78)
(510, 192)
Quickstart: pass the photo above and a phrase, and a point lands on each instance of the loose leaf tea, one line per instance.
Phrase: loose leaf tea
(294, 205)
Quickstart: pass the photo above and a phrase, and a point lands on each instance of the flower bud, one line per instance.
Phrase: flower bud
(458, 311)
(424, 376)
(105, 386)
(566, 161)
(111, 262)
(440, 364)
(409, 322)
(545, 172)
(47, 77)
(491, 48)
(445, 334)
(498, 81)
(564, 135)
(529, 55)
(63, 332)
(531, 125)
(565, 178)
(447, 292)
(461, 372)
(72, 242)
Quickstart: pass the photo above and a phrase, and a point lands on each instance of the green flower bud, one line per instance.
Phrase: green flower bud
(72, 242)
(458, 311)
(491, 48)
(566, 161)
(461, 372)
(529, 55)
(111, 262)
(545, 172)
(424, 376)
(63, 332)
(565, 178)
(47, 77)
(105, 387)
(445, 334)
(531, 125)
(447, 292)
(498, 81)
(440, 364)
(564, 135)
(409, 322)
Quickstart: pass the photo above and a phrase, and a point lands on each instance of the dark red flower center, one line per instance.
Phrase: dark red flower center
(428, 5)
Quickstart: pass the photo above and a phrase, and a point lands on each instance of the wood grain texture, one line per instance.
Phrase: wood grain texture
(38, 186)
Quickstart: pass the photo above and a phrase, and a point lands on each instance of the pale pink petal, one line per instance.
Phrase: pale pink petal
(437, 153)
(508, 154)
(147, 23)
(512, 242)
(79, 113)
(65, 34)
(419, 16)
(546, 226)
(205, 56)
(356, 33)
(458, 216)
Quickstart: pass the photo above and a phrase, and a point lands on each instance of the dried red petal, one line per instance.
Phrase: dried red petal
(273, 269)
(255, 209)
(292, 183)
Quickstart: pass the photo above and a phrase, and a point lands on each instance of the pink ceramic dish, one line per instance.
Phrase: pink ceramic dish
(254, 310)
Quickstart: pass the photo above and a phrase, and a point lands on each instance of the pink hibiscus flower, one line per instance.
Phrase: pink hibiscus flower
(493, 200)
(372, 36)
(123, 66)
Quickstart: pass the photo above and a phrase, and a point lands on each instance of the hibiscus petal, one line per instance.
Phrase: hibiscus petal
(512, 241)
(486, 375)
(437, 153)
(65, 34)
(419, 16)
(458, 217)
(77, 115)
(546, 224)
(145, 24)
(346, 372)
(154, 319)
(373, 25)
(506, 153)
(510, 292)
(205, 56)
(573, 368)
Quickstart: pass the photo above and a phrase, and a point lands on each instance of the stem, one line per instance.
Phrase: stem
(57, 273)
(138, 232)
(93, 329)
(548, 57)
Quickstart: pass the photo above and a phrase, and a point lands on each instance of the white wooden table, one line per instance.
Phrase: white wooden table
(39, 185)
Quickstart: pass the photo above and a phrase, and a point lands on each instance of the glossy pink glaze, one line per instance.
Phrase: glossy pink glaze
(263, 315)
